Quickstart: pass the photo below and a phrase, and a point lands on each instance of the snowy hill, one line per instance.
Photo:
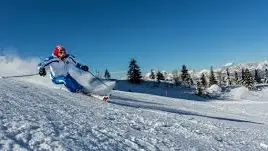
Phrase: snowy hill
(36, 115)
(39, 118)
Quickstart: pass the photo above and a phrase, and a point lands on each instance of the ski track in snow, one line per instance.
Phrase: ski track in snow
(35, 117)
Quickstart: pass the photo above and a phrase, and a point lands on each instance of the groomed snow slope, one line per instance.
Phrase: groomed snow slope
(35, 117)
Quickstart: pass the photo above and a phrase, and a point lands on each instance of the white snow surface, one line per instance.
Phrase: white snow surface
(36, 115)
(240, 93)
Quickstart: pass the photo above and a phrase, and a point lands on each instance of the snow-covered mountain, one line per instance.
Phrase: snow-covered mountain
(260, 66)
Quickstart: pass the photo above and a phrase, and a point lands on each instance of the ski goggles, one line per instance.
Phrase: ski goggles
(62, 51)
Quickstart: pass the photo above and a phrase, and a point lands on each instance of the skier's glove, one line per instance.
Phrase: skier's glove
(85, 68)
(42, 72)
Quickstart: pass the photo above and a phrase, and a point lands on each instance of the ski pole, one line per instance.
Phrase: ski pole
(98, 78)
(17, 76)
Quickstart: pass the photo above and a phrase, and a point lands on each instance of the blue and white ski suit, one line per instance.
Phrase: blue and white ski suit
(59, 71)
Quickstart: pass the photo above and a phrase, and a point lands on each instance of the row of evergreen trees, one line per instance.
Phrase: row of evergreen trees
(158, 76)
(203, 80)
(183, 77)
(246, 79)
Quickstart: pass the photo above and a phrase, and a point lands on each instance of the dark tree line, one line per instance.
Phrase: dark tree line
(183, 77)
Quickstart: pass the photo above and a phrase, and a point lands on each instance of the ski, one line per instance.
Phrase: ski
(103, 98)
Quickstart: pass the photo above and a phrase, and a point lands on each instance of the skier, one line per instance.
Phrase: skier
(59, 63)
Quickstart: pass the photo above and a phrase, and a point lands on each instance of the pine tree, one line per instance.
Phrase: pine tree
(185, 76)
(248, 82)
(152, 75)
(228, 77)
(203, 80)
(191, 81)
(176, 77)
(242, 79)
(266, 76)
(257, 77)
(134, 73)
(198, 88)
(227, 72)
(159, 76)
(212, 79)
(243, 75)
(236, 77)
(164, 75)
(224, 80)
(218, 76)
(107, 74)
(184, 73)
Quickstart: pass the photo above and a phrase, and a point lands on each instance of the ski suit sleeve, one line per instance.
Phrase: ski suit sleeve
(46, 62)
(74, 62)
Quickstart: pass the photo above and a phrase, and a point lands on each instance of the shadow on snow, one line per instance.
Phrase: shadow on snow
(162, 89)
(158, 107)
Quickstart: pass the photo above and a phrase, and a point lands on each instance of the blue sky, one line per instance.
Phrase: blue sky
(160, 34)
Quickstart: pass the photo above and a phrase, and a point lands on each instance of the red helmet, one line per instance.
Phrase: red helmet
(57, 49)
